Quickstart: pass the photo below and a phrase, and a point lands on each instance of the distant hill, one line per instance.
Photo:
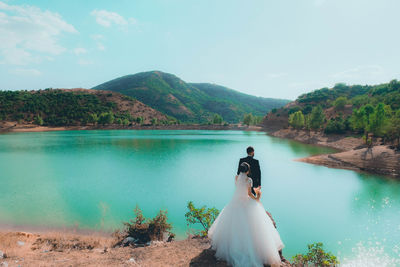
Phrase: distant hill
(362, 109)
(189, 102)
(65, 107)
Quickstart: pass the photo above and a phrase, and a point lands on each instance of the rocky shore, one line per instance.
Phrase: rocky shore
(62, 249)
(352, 153)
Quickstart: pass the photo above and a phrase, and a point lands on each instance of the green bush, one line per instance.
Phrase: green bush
(203, 216)
(316, 256)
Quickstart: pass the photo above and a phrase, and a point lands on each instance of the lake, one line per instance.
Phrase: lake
(94, 179)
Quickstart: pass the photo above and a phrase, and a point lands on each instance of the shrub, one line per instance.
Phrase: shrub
(316, 256)
(143, 230)
(203, 216)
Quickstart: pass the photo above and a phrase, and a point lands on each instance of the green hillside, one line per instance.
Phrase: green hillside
(189, 102)
(67, 107)
(361, 109)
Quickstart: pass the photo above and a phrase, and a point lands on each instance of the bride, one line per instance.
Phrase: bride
(243, 233)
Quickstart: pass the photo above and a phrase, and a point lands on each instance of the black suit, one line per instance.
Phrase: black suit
(255, 172)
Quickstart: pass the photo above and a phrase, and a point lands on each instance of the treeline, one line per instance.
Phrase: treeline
(373, 111)
(61, 108)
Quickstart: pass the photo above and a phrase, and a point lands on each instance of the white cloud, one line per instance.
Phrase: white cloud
(107, 18)
(27, 34)
(26, 72)
(80, 50)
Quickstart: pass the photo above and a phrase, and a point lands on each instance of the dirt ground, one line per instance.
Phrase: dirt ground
(64, 249)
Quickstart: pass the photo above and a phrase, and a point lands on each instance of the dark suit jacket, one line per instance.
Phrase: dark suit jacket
(255, 172)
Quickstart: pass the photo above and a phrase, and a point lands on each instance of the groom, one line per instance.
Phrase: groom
(255, 172)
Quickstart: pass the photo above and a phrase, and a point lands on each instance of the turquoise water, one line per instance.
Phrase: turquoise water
(93, 179)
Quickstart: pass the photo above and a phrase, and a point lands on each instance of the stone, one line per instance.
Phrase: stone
(20, 243)
(128, 241)
(2, 255)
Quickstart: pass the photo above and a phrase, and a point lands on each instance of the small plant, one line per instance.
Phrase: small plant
(316, 256)
(203, 216)
(143, 229)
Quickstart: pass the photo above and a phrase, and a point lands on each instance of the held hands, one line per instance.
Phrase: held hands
(257, 190)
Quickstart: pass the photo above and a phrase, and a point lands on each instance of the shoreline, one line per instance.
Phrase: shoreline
(352, 153)
(18, 128)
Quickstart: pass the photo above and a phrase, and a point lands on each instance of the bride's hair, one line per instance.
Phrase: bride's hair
(244, 167)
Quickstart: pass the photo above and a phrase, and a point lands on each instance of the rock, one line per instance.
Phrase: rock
(2, 255)
(20, 243)
(128, 241)
(4, 264)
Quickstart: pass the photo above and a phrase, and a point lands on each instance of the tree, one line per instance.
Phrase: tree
(154, 121)
(393, 128)
(340, 102)
(106, 118)
(217, 119)
(139, 120)
(93, 118)
(296, 120)
(316, 256)
(203, 216)
(38, 120)
(335, 125)
(377, 121)
(317, 118)
(248, 119)
(125, 122)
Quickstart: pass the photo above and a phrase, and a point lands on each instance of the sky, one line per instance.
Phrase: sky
(269, 48)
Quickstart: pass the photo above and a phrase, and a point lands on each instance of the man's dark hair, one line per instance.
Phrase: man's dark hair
(250, 149)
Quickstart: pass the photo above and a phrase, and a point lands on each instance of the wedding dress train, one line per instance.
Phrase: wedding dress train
(243, 234)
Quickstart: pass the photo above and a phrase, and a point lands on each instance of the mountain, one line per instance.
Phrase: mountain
(59, 107)
(189, 102)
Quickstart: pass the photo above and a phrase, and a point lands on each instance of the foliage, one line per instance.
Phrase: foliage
(335, 125)
(203, 216)
(296, 120)
(316, 256)
(106, 118)
(373, 114)
(317, 118)
(38, 120)
(154, 121)
(190, 102)
(340, 102)
(248, 119)
(144, 229)
(217, 119)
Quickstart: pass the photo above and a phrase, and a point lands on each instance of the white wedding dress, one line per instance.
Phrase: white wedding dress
(243, 234)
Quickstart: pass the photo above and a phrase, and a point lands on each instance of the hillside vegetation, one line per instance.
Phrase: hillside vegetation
(63, 107)
(373, 111)
(190, 102)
